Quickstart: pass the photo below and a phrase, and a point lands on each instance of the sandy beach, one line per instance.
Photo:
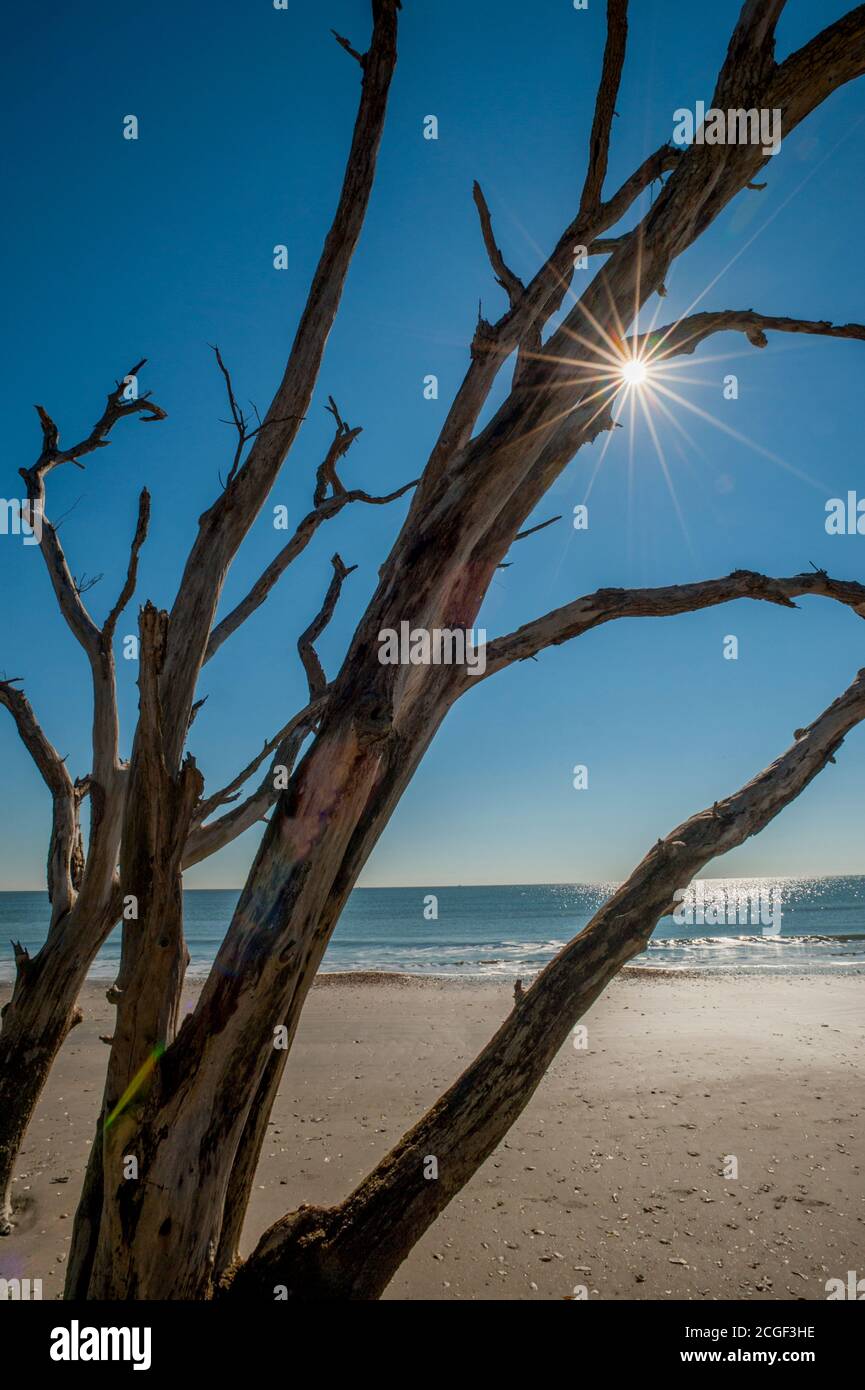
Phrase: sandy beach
(612, 1179)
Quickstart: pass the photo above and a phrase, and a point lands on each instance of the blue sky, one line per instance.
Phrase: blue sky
(117, 249)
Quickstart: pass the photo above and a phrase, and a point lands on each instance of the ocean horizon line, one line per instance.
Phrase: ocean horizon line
(527, 883)
(786, 922)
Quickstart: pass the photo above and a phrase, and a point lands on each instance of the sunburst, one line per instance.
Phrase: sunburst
(635, 372)
(635, 377)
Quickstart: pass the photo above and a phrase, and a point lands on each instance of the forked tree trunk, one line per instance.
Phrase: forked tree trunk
(196, 1120)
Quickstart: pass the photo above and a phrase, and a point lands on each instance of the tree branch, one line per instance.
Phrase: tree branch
(132, 569)
(605, 103)
(236, 416)
(541, 526)
(531, 531)
(343, 439)
(223, 527)
(751, 78)
(751, 52)
(605, 246)
(314, 671)
(500, 475)
(324, 509)
(205, 840)
(834, 56)
(521, 326)
(64, 848)
(305, 718)
(606, 605)
(510, 283)
(344, 43)
(51, 767)
(96, 641)
(685, 335)
(117, 407)
(239, 420)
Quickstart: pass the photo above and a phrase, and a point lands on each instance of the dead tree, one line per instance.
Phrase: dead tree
(193, 1104)
(85, 892)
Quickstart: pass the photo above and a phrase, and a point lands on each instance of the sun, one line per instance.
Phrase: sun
(634, 372)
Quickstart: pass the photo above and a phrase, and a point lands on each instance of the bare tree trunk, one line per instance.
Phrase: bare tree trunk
(36, 1021)
(35, 1025)
(159, 809)
(43, 1007)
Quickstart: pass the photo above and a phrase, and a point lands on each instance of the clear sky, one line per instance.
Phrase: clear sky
(117, 249)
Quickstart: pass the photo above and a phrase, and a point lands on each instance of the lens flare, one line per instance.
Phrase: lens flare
(634, 372)
(135, 1084)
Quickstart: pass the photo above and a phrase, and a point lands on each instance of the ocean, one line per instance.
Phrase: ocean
(777, 925)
